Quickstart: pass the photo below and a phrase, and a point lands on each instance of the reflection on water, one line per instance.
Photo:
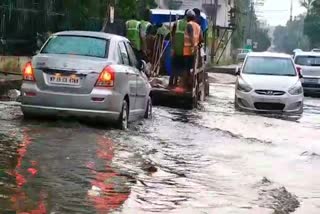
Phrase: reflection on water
(59, 170)
(25, 173)
(202, 161)
(105, 194)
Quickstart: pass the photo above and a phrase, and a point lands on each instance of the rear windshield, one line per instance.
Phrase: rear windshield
(269, 66)
(77, 45)
(308, 60)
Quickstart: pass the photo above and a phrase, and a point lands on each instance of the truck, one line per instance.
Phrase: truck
(162, 94)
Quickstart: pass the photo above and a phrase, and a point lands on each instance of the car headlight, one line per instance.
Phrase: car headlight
(243, 86)
(296, 89)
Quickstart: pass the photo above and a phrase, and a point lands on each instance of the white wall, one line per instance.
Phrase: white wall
(224, 7)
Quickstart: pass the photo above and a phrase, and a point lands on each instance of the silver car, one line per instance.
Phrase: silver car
(308, 64)
(86, 74)
(269, 82)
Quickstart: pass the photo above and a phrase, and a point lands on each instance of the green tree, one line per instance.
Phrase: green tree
(307, 4)
(263, 39)
(248, 27)
(312, 23)
(290, 37)
(242, 9)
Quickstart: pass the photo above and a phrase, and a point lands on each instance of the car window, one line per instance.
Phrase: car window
(308, 60)
(120, 56)
(132, 56)
(269, 66)
(124, 54)
(77, 45)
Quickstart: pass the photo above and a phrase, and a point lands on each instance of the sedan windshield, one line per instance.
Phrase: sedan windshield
(77, 45)
(269, 66)
(308, 60)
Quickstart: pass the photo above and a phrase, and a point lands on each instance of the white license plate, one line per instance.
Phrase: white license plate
(64, 80)
(312, 81)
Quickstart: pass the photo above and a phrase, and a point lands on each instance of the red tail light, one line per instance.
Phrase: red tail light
(28, 73)
(106, 78)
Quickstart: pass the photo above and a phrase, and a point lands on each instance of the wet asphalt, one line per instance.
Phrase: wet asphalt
(209, 160)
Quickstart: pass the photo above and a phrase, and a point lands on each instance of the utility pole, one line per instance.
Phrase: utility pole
(291, 11)
(250, 18)
(214, 29)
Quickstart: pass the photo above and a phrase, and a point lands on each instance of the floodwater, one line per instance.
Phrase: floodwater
(210, 160)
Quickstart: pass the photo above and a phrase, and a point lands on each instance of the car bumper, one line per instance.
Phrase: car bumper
(265, 103)
(60, 112)
(100, 103)
(311, 88)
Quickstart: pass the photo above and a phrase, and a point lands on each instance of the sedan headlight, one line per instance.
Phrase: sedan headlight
(296, 89)
(243, 86)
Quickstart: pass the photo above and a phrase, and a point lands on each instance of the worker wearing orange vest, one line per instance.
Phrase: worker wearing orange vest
(192, 40)
(185, 46)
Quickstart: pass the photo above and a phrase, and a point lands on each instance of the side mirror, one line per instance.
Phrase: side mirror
(142, 65)
(299, 70)
(237, 71)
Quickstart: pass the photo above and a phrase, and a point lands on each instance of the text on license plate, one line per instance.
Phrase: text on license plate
(64, 80)
(314, 81)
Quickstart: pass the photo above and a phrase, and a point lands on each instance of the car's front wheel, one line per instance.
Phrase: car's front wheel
(124, 116)
(148, 113)
(236, 104)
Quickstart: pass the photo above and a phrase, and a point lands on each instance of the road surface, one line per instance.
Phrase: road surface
(210, 160)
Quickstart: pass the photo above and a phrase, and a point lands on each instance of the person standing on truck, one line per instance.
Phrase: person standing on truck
(192, 39)
(178, 32)
(133, 34)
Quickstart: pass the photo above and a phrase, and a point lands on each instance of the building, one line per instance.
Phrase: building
(222, 20)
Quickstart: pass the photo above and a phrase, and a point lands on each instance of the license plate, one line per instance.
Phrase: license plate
(64, 80)
(312, 81)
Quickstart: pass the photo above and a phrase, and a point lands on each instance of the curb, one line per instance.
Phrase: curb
(221, 70)
(6, 85)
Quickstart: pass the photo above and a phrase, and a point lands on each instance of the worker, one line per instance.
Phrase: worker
(178, 31)
(133, 34)
(203, 24)
(192, 39)
(178, 35)
(197, 11)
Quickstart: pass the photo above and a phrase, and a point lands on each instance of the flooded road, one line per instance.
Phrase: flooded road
(212, 160)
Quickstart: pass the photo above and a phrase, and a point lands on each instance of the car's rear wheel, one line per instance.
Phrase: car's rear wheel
(124, 116)
(148, 113)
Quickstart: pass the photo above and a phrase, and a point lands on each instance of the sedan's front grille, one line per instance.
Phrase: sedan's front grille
(269, 106)
(270, 92)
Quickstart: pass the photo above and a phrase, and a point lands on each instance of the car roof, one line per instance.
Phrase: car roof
(269, 54)
(308, 54)
(101, 35)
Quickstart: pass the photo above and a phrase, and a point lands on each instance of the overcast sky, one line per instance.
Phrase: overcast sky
(277, 12)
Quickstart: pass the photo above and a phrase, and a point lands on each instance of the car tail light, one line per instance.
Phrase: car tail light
(106, 78)
(28, 72)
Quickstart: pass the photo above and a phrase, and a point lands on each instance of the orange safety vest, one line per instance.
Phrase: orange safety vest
(187, 50)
